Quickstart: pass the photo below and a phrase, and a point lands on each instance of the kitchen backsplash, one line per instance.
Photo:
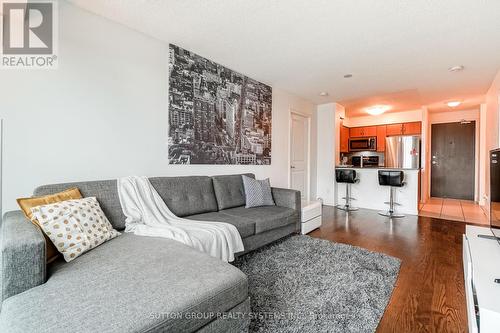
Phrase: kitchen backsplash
(363, 153)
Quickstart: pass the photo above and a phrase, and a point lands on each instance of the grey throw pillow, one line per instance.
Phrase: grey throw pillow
(257, 192)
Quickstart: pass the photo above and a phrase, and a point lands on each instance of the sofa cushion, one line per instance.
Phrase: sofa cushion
(104, 190)
(229, 190)
(266, 217)
(245, 226)
(186, 195)
(129, 284)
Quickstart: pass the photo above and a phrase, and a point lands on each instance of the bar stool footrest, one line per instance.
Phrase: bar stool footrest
(391, 214)
(347, 208)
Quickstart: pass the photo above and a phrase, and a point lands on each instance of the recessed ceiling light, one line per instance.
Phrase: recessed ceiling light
(456, 68)
(377, 109)
(323, 93)
(453, 104)
(347, 76)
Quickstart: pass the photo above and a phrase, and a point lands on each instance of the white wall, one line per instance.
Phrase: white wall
(425, 156)
(326, 143)
(103, 113)
(492, 137)
(483, 155)
(493, 111)
(339, 121)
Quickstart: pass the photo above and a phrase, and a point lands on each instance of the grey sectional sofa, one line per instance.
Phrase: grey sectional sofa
(139, 284)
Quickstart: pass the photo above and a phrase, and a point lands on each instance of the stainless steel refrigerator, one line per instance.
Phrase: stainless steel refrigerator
(402, 151)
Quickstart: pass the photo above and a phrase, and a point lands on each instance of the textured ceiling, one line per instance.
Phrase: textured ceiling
(306, 47)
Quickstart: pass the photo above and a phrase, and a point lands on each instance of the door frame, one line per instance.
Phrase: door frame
(455, 117)
(307, 118)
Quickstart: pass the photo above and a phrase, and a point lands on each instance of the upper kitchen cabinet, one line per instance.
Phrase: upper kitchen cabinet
(356, 132)
(394, 129)
(413, 128)
(344, 139)
(381, 134)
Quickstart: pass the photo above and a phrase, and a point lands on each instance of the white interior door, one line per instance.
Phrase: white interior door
(299, 155)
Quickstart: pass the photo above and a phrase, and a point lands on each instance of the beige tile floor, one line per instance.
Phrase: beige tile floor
(455, 210)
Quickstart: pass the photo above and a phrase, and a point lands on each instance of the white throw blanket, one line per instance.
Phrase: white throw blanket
(148, 215)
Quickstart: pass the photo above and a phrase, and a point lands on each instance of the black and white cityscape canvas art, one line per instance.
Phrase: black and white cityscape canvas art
(216, 115)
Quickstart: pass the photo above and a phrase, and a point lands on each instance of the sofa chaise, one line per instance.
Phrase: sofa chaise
(139, 284)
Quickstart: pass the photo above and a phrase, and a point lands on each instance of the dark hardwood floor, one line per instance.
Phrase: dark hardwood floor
(429, 295)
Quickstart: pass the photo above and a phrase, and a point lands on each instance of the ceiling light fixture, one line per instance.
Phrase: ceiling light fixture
(323, 93)
(453, 104)
(377, 110)
(456, 68)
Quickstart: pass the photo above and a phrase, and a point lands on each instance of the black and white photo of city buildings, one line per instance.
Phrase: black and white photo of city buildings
(216, 115)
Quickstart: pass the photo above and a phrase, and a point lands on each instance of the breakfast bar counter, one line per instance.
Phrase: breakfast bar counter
(367, 193)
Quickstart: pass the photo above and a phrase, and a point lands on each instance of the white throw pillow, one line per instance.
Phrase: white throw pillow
(257, 192)
(75, 226)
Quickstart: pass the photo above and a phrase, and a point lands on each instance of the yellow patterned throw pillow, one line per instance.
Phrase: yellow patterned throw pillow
(74, 226)
(27, 203)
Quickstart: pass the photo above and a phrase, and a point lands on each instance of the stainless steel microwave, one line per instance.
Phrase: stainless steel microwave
(363, 144)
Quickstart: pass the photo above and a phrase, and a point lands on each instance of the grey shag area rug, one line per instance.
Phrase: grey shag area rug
(304, 284)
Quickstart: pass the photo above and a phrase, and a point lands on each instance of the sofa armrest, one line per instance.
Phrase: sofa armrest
(22, 255)
(288, 198)
(285, 197)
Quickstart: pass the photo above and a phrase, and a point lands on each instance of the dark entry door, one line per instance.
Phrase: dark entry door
(452, 160)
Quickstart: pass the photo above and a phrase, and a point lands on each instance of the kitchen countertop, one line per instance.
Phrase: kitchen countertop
(374, 168)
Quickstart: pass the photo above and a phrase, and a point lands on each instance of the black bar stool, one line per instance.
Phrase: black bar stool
(393, 179)
(348, 177)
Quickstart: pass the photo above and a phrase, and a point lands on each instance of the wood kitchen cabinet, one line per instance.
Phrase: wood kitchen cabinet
(381, 134)
(344, 139)
(380, 131)
(413, 128)
(394, 129)
(356, 132)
